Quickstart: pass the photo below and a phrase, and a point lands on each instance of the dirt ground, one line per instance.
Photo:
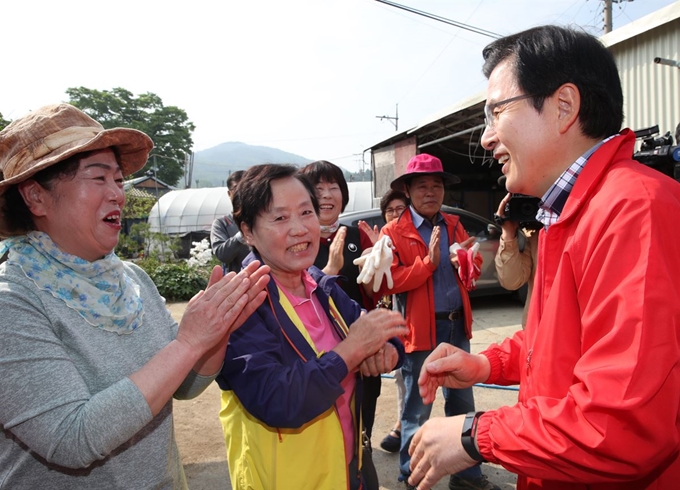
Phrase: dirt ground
(201, 443)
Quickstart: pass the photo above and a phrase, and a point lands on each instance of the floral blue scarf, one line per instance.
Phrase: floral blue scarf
(100, 291)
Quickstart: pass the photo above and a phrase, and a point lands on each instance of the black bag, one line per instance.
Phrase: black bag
(368, 471)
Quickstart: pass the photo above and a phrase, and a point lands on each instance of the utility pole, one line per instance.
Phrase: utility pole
(393, 119)
(158, 203)
(608, 14)
(188, 169)
(359, 158)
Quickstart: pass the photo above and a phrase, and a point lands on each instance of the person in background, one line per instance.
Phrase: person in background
(338, 247)
(597, 363)
(227, 242)
(432, 297)
(291, 380)
(90, 356)
(517, 256)
(392, 204)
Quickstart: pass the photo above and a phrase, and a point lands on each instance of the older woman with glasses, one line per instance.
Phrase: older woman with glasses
(392, 204)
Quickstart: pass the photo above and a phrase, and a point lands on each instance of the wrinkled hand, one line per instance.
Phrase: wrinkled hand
(436, 451)
(381, 362)
(474, 271)
(335, 258)
(462, 257)
(509, 227)
(501, 207)
(368, 334)
(372, 233)
(376, 264)
(433, 251)
(226, 303)
(451, 367)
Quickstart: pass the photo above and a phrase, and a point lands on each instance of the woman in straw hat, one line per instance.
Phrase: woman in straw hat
(90, 356)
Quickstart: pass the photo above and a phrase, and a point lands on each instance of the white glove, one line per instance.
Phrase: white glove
(376, 264)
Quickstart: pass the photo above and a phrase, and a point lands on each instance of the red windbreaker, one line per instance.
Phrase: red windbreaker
(412, 273)
(599, 361)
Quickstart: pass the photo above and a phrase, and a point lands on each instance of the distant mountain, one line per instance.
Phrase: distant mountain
(213, 166)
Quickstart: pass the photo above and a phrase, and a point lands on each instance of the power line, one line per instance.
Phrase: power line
(454, 23)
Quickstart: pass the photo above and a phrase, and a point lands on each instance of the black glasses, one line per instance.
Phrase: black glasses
(489, 116)
(395, 210)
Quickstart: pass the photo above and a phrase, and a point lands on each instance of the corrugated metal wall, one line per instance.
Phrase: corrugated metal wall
(389, 162)
(651, 91)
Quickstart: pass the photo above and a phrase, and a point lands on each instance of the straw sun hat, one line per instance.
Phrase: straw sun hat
(56, 132)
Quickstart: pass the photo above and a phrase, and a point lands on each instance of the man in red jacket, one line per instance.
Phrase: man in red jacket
(431, 296)
(598, 363)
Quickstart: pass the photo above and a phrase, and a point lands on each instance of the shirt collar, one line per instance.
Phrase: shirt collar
(418, 220)
(553, 201)
(310, 287)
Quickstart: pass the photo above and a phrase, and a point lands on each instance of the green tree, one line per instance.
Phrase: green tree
(137, 207)
(168, 126)
(3, 122)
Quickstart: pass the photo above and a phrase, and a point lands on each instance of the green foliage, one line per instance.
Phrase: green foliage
(3, 122)
(168, 126)
(128, 247)
(141, 241)
(137, 207)
(176, 281)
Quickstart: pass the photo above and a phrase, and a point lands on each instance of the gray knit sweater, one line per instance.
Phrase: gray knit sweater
(69, 415)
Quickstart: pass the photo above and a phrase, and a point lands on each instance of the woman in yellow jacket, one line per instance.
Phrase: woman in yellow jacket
(292, 377)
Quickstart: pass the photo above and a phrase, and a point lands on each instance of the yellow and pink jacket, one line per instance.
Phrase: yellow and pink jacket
(281, 425)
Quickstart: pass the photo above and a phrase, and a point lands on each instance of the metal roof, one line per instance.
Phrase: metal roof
(138, 180)
(660, 17)
(452, 129)
(133, 191)
(182, 211)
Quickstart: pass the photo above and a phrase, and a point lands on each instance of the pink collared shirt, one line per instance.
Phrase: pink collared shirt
(325, 338)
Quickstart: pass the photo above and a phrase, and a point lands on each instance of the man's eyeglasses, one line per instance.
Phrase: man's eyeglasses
(490, 117)
(397, 210)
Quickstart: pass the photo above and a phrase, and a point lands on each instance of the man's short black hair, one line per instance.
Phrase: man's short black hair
(544, 58)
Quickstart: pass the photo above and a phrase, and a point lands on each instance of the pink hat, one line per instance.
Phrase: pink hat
(424, 164)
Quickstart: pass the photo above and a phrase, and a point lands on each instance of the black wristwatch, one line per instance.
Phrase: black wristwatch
(467, 438)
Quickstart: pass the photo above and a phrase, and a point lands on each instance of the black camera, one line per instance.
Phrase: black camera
(520, 208)
(523, 209)
(658, 153)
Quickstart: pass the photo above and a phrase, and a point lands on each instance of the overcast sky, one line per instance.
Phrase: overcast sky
(305, 76)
